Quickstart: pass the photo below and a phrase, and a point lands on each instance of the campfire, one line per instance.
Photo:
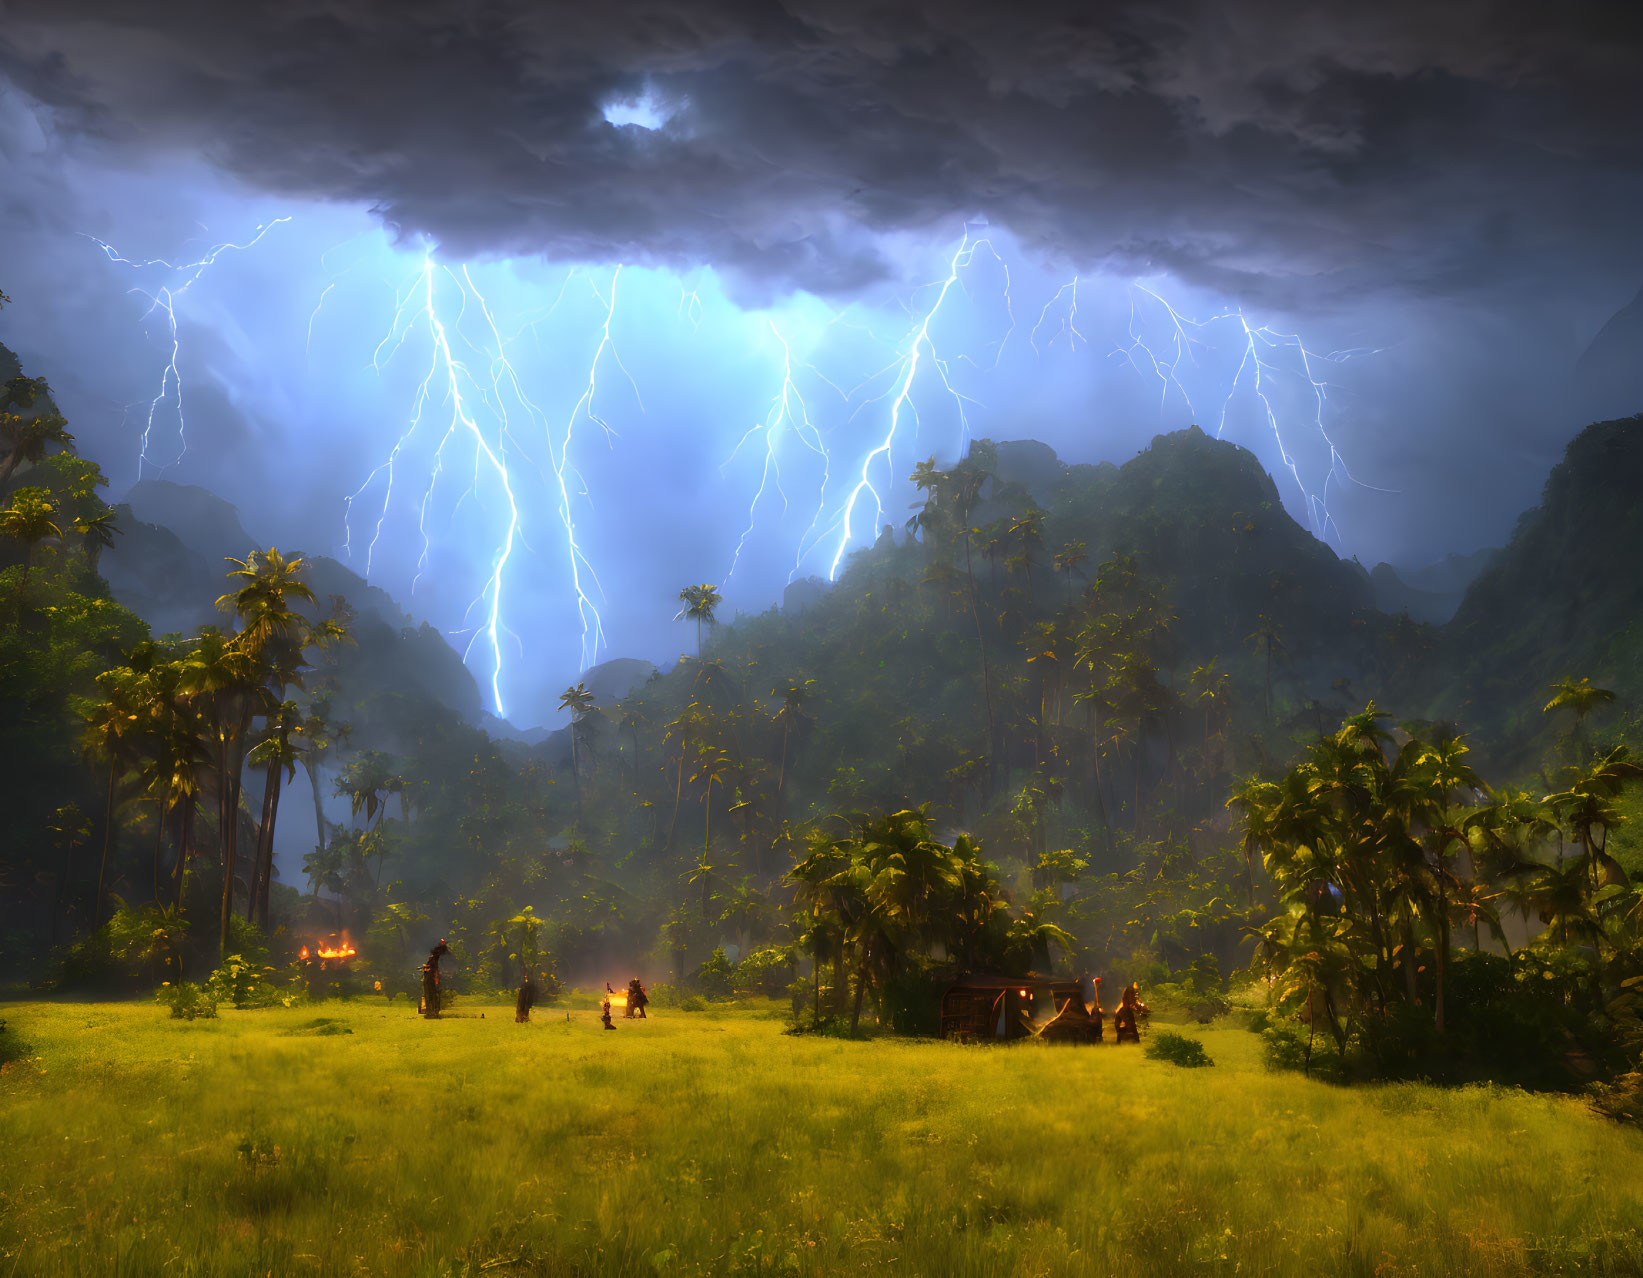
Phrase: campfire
(335, 952)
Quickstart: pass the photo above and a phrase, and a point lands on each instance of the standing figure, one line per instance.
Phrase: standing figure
(1126, 1021)
(604, 1014)
(1092, 1003)
(525, 1001)
(430, 980)
(638, 998)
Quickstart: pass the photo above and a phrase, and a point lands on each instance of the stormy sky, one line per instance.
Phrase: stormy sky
(1448, 192)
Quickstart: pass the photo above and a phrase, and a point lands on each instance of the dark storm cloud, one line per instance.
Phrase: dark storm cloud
(1280, 149)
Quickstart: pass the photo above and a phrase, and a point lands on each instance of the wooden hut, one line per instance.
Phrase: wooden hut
(985, 1006)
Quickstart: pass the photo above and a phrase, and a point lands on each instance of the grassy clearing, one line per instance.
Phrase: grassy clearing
(276, 1142)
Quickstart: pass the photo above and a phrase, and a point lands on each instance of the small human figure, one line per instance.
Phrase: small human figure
(430, 980)
(637, 998)
(525, 1001)
(1126, 1021)
(604, 1014)
(629, 1007)
(1092, 1003)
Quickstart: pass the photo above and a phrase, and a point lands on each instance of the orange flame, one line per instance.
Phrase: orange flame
(342, 951)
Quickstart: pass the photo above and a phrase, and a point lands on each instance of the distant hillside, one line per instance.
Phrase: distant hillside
(169, 566)
(1564, 599)
(1202, 515)
(1430, 593)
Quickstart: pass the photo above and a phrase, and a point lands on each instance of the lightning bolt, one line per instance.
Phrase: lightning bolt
(1261, 360)
(916, 349)
(164, 298)
(788, 413)
(1066, 326)
(450, 381)
(593, 627)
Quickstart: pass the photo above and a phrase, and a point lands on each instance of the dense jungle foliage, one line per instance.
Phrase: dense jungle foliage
(1132, 721)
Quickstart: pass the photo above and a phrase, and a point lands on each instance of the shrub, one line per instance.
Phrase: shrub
(715, 976)
(1621, 1100)
(1285, 1042)
(1178, 1049)
(136, 947)
(242, 983)
(767, 971)
(187, 1000)
(805, 1021)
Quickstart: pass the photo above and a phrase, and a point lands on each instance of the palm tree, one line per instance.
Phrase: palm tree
(111, 724)
(1442, 772)
(1266, 638)
(965, 493)
(579, 701)
(700, 602)
(253, 670)
(1581, 698)
(682, 735)
(267, 583)
(323, 868)
(713, 767)
(1587, 809)
(278, 752)
(793, 696)
(631, 720)
(1136, 695)
(320, 736)
(30, 436)
(98, 531)
(743, 912)
(1213, 692)
(226, 684)
(29, 520)
(69, 827)
(1026, 531)
(701, 874)
(1068, 559)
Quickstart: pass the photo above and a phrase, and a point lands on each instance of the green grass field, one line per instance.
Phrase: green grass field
(354, 1138)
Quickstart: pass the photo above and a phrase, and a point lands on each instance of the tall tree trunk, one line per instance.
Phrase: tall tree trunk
(159, 840)
(229, 800)
(184, 838)
(108, 833)
(265, 830)
(268, 861)
(678, 790)
(1441, 960)
(312, 769)
(986, 678)
(861, 989)
(576, 774)
(1411, 991)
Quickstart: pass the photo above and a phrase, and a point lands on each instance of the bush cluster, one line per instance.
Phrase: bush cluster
(1177, 1049)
